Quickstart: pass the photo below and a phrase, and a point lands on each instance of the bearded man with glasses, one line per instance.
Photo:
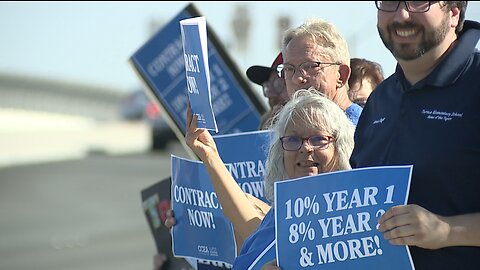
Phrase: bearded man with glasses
(426, 114)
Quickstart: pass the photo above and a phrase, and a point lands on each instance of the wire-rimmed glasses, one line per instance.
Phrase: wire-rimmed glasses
(310, 68)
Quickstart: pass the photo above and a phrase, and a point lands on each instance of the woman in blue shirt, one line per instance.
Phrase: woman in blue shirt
(311, 135)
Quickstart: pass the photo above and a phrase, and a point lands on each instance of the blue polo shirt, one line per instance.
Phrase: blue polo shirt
(434, 125)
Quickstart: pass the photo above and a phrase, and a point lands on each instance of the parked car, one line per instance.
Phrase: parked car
(138, 106)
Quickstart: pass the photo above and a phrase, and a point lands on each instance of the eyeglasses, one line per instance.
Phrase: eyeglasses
(293, 143)
(412, 6)
(310, 68)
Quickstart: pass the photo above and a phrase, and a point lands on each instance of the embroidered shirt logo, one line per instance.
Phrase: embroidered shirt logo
(379, 121)
(441, 115)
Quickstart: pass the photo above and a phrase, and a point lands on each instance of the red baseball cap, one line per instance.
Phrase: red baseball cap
(261, 74)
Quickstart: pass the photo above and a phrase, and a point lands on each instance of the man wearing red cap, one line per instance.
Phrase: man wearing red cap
(273, 88)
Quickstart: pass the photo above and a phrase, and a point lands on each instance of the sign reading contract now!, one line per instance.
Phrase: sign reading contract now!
(202, 230)
(194, 37)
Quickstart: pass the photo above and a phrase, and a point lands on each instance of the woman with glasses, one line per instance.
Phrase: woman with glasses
(311, 135)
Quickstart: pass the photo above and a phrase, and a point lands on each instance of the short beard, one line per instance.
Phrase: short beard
(430, 40)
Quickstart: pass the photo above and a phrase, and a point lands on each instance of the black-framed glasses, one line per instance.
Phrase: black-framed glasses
(317, 142)
(310, 68)
(412, 6)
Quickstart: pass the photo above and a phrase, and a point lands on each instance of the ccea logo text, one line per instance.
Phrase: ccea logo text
(212, 251)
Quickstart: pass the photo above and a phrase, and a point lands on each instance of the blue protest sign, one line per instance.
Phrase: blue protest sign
(331, 219)
(245, 154)
(160, 64)
(194, 39)
(199, 215)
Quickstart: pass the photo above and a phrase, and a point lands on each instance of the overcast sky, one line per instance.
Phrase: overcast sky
(90, 42)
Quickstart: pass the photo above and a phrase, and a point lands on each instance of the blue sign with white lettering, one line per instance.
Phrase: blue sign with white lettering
(245, 155)
(194, 36)
(329, 221)
(200, 220)
(161, 65)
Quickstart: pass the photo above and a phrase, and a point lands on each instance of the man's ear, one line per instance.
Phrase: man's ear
(344, 74)
(455, 17)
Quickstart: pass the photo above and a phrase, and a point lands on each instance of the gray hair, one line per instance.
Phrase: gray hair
(311, 108)
(324, 34)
